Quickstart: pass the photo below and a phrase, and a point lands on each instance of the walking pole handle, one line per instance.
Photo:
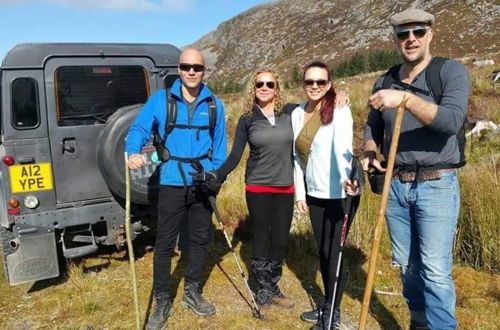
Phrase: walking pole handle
(381, 216)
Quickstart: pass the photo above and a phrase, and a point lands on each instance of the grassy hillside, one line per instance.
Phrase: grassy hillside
(94, 293)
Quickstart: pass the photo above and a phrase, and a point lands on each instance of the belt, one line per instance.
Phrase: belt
(421, 174)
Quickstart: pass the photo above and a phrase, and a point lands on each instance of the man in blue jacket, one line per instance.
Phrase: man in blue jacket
(179, 198)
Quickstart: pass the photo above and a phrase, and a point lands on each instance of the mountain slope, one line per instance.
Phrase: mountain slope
(282, 34)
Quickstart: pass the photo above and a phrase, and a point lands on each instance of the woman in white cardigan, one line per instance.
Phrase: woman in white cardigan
(321, 177)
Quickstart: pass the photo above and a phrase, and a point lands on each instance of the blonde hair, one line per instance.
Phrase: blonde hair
(252, 99)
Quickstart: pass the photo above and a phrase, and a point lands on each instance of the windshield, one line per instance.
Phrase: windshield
(88, 95)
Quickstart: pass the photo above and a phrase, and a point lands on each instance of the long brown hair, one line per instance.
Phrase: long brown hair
(328, 101)
(252, 99)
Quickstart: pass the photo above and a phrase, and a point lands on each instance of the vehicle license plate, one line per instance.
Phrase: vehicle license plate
(33, 177)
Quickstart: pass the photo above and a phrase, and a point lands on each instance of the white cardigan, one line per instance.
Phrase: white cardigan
(329, 163)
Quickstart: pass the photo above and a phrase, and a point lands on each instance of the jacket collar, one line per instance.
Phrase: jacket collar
(176, 92)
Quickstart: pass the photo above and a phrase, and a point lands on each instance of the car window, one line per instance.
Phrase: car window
(25, 113)
(87, 95)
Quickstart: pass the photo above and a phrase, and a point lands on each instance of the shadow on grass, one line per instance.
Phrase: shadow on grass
(220, 248)
(355, 258)
(302, 260)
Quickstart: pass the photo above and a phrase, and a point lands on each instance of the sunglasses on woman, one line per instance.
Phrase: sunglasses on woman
(404, 33)
(187, 67)
(321, 83)
(269, 84)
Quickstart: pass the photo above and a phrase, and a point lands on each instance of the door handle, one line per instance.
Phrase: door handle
(68, 145)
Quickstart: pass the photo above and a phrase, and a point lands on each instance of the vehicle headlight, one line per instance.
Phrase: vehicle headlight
(31, 202)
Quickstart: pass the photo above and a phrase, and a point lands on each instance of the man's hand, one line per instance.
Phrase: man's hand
(135, 161)
(302, 206)
(207, 182)
(369, 159)
(386, 99)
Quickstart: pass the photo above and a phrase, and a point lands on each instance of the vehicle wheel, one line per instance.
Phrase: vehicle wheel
(6, 236)
(110, 156)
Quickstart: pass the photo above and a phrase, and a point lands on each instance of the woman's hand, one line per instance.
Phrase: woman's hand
(302, 206)
(341, 99)
(351, 187)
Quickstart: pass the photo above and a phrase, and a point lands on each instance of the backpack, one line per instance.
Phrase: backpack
(433, 79)
(170, 123)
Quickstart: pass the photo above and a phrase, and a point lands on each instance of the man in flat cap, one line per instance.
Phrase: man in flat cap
(424, 197)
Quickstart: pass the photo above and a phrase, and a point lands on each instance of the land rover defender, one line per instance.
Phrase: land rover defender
(65, 111)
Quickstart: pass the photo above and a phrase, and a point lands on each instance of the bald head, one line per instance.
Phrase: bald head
(191, 71)
(191, 56)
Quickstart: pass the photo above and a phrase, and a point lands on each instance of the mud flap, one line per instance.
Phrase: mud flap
(35, 258)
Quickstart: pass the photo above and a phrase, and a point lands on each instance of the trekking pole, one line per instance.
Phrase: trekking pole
(381, 215)
(343, 238)
(213, 203)
(337, 273)
(129, 244)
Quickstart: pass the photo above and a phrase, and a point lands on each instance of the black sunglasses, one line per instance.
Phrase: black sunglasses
(418, 32)
(269, 84)
(187, 67)
(321, 83)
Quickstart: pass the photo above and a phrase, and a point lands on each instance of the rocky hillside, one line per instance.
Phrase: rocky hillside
(285, 33)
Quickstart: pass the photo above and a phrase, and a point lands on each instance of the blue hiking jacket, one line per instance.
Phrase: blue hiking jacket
(184, 143)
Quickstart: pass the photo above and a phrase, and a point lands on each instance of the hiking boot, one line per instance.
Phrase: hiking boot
(193, 300)
(281, 300)
(324, 319)
(311, 316)
(161, 312)
(264, 308)
(262, 274)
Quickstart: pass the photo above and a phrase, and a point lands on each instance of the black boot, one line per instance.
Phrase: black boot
(194, 300)
(161, 312)
(262, 273)
(311, 316)
(278, 298)
(324, 319)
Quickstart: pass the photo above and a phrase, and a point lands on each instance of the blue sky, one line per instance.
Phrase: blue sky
(179, 22)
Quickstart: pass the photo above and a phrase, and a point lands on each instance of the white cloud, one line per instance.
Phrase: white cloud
(120, 5)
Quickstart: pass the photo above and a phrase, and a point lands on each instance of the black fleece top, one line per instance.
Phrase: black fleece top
(270, 162)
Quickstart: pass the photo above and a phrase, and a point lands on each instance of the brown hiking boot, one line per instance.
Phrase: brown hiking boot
(264, 308)
(282, 301)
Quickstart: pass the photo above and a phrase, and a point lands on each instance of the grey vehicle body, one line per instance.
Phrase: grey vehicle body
(65, 110)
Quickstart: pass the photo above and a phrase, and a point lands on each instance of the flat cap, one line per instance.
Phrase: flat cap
(411, 15)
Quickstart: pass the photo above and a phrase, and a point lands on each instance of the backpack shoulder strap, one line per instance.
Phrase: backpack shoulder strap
(212, 116)
(391, 76)
(433, 77)
(171, 113)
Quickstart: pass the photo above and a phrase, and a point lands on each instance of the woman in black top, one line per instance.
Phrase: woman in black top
(269, 188)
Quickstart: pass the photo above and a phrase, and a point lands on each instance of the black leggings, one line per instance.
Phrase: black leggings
(326, 219)
(270, 217)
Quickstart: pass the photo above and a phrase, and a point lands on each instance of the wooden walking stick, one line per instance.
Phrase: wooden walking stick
(130, 246)
(381, 215)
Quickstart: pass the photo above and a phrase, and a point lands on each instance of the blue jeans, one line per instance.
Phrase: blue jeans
(422, 218)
